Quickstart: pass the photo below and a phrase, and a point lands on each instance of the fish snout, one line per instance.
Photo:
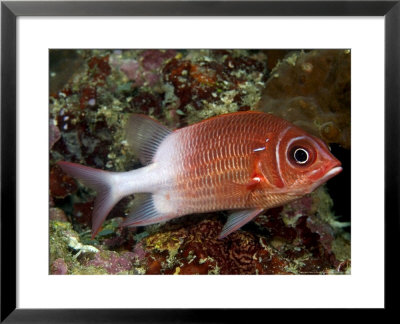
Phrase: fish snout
(331, 170)
(334, 168)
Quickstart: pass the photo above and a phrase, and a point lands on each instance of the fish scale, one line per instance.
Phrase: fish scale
(233, 154)
(243, 162)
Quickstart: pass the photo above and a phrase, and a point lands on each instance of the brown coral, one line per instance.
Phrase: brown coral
(297, 238)
(312, 90)
(196, 249)
(61, 184)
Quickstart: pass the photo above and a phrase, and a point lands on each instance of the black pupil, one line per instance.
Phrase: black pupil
(300, 155)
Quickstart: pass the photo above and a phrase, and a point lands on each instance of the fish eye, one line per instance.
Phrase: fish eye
(300, 155)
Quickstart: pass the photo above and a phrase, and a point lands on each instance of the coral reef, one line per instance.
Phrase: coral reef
(61, 184)
(208, 83)
(88, 111)
(145, 69)
(289, 240)
(300, 238)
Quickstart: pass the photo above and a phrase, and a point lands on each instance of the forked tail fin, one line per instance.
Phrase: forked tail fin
(104, 184)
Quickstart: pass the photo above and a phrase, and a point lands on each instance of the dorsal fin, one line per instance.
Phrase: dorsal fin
(144, 136)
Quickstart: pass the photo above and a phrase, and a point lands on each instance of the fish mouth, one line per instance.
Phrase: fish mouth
(329, 175)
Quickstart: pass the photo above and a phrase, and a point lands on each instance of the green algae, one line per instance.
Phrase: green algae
(61, 234)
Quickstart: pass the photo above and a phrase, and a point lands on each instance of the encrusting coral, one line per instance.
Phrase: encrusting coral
(312, 90)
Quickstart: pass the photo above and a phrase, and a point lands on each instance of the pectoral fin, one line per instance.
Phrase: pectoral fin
(237, 219)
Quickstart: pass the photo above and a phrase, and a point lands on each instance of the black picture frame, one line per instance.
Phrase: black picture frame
(9, 13)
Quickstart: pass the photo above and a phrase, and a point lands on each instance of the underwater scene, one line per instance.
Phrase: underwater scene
(222, 161)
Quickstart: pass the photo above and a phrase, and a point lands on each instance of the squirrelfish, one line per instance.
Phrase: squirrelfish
(245, 162)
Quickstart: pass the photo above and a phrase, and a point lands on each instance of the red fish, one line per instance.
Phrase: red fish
(246, 162)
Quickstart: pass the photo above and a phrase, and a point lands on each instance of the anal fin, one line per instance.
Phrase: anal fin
(145, 213)
(237, 219)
